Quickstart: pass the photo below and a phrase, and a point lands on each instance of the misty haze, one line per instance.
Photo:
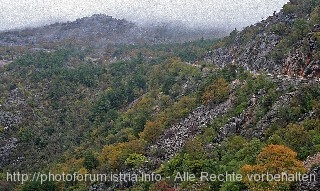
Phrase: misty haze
(226, 14)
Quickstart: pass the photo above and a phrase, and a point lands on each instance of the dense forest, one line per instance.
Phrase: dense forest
(167, 108)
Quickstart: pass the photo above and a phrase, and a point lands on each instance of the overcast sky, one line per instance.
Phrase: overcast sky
(206, 13)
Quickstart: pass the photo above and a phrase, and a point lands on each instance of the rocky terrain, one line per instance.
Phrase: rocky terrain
(254, 52)
(69, 109)
(310, 186)
(173, 139)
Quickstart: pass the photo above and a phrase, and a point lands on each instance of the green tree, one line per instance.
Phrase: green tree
(90, 161)
(38, 186)
(135, 160)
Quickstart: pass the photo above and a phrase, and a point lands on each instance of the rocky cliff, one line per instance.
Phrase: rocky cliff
(282, 44)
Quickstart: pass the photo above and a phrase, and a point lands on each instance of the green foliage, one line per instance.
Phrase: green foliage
(269, 99)
(231, 37)
(219, 122)
(249, 151)
(309, 97)
(209, 134)
(194, 149)
(179, 109)
(45, 186)
(234, 143)
(289, 114)
(275, 139)
(152, 131)
(229, 157)
(312, 124)
(135, 160)
(136, 117)
(232, 186)
(300, 145)
(109, 101)
(300, 29)
(315, 16)
(171, 76)
(40, 142)
(304, 102)
(252, 86)
(46, 60)
(280, 29)
(114, 156)
(300, 9)
(25, 134)
(90, 161)
(288, 136)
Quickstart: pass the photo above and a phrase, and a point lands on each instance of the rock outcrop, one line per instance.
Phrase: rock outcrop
(255, 52)
(313, 184)
(6, 147)
(8, 119)
(173, 139)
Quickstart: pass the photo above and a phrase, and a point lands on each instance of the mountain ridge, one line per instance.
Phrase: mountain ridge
(101, 30)
(265, 49)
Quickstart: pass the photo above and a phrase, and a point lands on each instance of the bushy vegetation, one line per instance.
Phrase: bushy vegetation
(110, 114)
(96, 115)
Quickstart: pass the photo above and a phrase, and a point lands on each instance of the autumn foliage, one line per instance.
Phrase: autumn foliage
(116, 155)
(216, 92)
(152, 131)
(273, 159)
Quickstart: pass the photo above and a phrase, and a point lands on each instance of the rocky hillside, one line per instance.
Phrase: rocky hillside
(283, 44)
(247, 103)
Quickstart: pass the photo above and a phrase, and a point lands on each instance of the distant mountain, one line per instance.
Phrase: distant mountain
(100, 30)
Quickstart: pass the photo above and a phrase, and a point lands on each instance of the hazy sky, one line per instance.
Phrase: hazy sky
(230, 13)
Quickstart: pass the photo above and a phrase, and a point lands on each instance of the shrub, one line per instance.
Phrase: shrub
(217, 92)
(273, 159)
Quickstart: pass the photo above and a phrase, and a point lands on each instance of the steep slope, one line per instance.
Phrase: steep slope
(283, 44)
